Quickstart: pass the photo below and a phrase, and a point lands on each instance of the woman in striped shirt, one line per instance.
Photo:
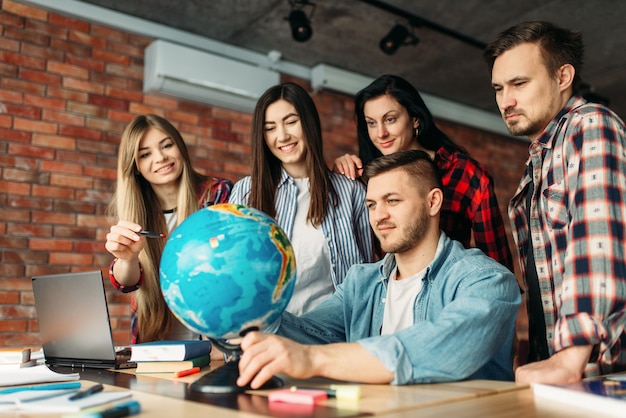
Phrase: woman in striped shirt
(323, 213)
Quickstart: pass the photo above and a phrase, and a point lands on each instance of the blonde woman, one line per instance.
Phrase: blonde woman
(157, 189)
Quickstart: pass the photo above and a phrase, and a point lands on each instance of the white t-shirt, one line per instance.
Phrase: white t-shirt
(170, 219)
(313, 275)
(400, 301)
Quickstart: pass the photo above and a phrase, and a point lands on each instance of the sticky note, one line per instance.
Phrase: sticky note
(304, 397)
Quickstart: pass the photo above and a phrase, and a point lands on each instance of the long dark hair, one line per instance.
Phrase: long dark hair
(266, 168)
(430, 137)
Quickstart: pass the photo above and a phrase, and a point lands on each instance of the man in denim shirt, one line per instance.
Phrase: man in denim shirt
(430, 311)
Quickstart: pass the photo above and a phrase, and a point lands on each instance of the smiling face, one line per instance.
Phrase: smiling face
(389, 125)
(528, 96)
(158, 158)
(284, 137)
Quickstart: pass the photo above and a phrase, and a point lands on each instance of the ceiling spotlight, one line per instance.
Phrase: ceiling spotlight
(299, 22)
(398, 36)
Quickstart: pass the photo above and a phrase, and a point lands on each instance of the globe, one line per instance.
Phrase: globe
(226, 269)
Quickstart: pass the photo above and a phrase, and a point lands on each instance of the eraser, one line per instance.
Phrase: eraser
(304, 397)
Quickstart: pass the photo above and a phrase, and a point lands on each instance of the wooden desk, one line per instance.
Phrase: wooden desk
(511, 404)
(167, 397)
(375, 399)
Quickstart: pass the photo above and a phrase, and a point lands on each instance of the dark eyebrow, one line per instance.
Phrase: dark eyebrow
(512, 80)
(287, 116)
(383, 197)
(160, 142)
(395, 111)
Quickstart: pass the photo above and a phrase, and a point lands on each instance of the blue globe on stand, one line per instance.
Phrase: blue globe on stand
(226, 269)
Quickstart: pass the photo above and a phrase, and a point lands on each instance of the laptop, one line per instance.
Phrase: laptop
(74, 321)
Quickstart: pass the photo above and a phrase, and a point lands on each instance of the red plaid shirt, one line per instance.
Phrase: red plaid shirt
(470, 205)
(578, 230)
(212, 192)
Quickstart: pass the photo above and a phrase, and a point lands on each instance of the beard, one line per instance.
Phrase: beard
(519, 128)
(411, 234)
(530, 129)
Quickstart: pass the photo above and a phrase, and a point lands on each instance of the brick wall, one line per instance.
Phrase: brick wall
(67, 89)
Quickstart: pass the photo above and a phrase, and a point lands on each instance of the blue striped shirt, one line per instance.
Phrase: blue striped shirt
(346, 226)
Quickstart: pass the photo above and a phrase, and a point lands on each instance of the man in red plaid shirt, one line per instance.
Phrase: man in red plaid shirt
(569, 212)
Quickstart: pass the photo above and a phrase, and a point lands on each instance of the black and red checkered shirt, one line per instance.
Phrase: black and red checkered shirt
(470, 206)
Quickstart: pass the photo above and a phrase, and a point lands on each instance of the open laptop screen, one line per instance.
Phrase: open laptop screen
(74, 320)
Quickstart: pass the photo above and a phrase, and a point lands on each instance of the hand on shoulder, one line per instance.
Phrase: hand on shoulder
(349, 165)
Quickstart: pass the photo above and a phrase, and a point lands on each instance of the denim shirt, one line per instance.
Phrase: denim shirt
(464, 318)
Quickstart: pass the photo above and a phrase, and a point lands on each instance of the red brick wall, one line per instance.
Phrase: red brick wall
(67, 89)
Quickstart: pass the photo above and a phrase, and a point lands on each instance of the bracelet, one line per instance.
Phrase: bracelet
(117, 285)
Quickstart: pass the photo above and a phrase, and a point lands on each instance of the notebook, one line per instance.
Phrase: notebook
(74, 321)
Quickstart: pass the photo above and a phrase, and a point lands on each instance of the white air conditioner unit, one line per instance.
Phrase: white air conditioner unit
(204, 77)
(324, 76)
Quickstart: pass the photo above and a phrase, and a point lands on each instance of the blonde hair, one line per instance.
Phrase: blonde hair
(134, 200)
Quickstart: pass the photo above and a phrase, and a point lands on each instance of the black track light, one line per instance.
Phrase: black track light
(398, 36)
(299, 22)
(301, 30)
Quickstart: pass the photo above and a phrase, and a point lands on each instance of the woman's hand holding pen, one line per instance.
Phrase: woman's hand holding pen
(124, 241)
(125, 244)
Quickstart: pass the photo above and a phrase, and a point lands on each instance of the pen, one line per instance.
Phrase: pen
(150, 234)
(87, 392)
(342, 392)
(188, 372)
(124, 409)
(53, 386)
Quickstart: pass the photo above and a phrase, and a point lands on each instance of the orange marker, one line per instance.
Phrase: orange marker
(188, 372)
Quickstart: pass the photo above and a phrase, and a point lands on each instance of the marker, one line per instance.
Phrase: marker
(342, 392)
(150, 234)
(188, 372)
(124, 409)
(47, 394)
(52, 386)
(87, 392)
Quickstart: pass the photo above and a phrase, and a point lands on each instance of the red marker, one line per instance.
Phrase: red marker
(183, 373)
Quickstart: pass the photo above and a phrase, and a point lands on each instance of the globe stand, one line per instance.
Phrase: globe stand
(224, 379)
